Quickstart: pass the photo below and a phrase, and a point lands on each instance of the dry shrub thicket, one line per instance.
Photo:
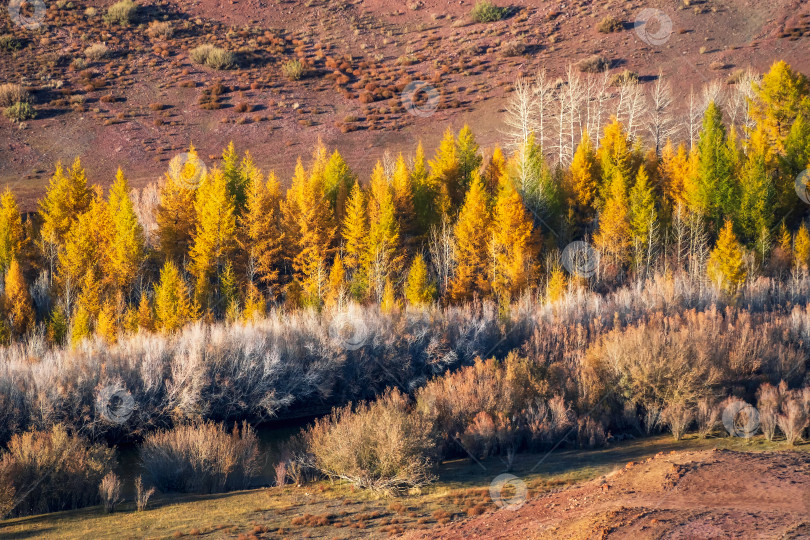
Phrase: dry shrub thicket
(573, 373)
(202, 458)
(49, 471)
(382, 445)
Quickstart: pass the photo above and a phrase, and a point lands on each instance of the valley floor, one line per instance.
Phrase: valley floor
(645, 488)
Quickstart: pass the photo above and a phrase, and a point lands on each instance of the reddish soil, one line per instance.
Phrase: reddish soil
(361, 54)
(707, 494)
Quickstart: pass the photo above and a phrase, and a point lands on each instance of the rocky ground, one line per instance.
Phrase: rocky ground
(706, 494)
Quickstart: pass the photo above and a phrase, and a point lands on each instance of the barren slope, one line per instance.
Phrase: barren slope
(707, 494)
(139, 107)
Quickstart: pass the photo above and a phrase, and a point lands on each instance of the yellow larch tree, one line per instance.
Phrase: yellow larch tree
(215, 235)
(18, 307)
(355, 229)
(419, 290)
(12, 234)
(127, 246)
(425, 193)
(107, 326)
(175, 215)
(676, 170)
(68, 196)
(557, 284)
(338, 182)
(255, 305)
(726, 267)
(780, 97)
(382, 250)
(513, 249)
(494, 172)
(583, 181)
(472, 235)
(85, 257)
(173, 307)
(307, 213)
(403, 198)
(146, 318)
(445, 175)
(260, 234)
(613, 237)
(389, 303)
(469, 159)
(338, 288)
(614, 155)
(801, 248)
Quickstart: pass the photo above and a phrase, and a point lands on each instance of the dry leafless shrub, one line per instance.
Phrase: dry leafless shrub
(213, 57)
(110, 491)
(280, 472)
(707, 415)
(485, 11)
(793, 417)
(513, 48)
(609, 25)
(294, 69)
(160, 29)
(11, 93)
(769, 401)
(96, 51)
(142, 495)
(52, 470)
(201, 458)
(382, 446)
(590, 433)
(678, 416)
(122, 13)
(594, 64)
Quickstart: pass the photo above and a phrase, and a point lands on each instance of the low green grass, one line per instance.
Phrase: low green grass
(336, 510)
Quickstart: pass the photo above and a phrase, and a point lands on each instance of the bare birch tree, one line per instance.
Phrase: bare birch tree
(693, 117)
(630, 106)
(442, 247)
(660, 123)
(738, 100)
(544, 99)
(520, 117)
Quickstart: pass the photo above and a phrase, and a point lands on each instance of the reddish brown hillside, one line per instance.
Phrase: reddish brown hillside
(144, 103)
